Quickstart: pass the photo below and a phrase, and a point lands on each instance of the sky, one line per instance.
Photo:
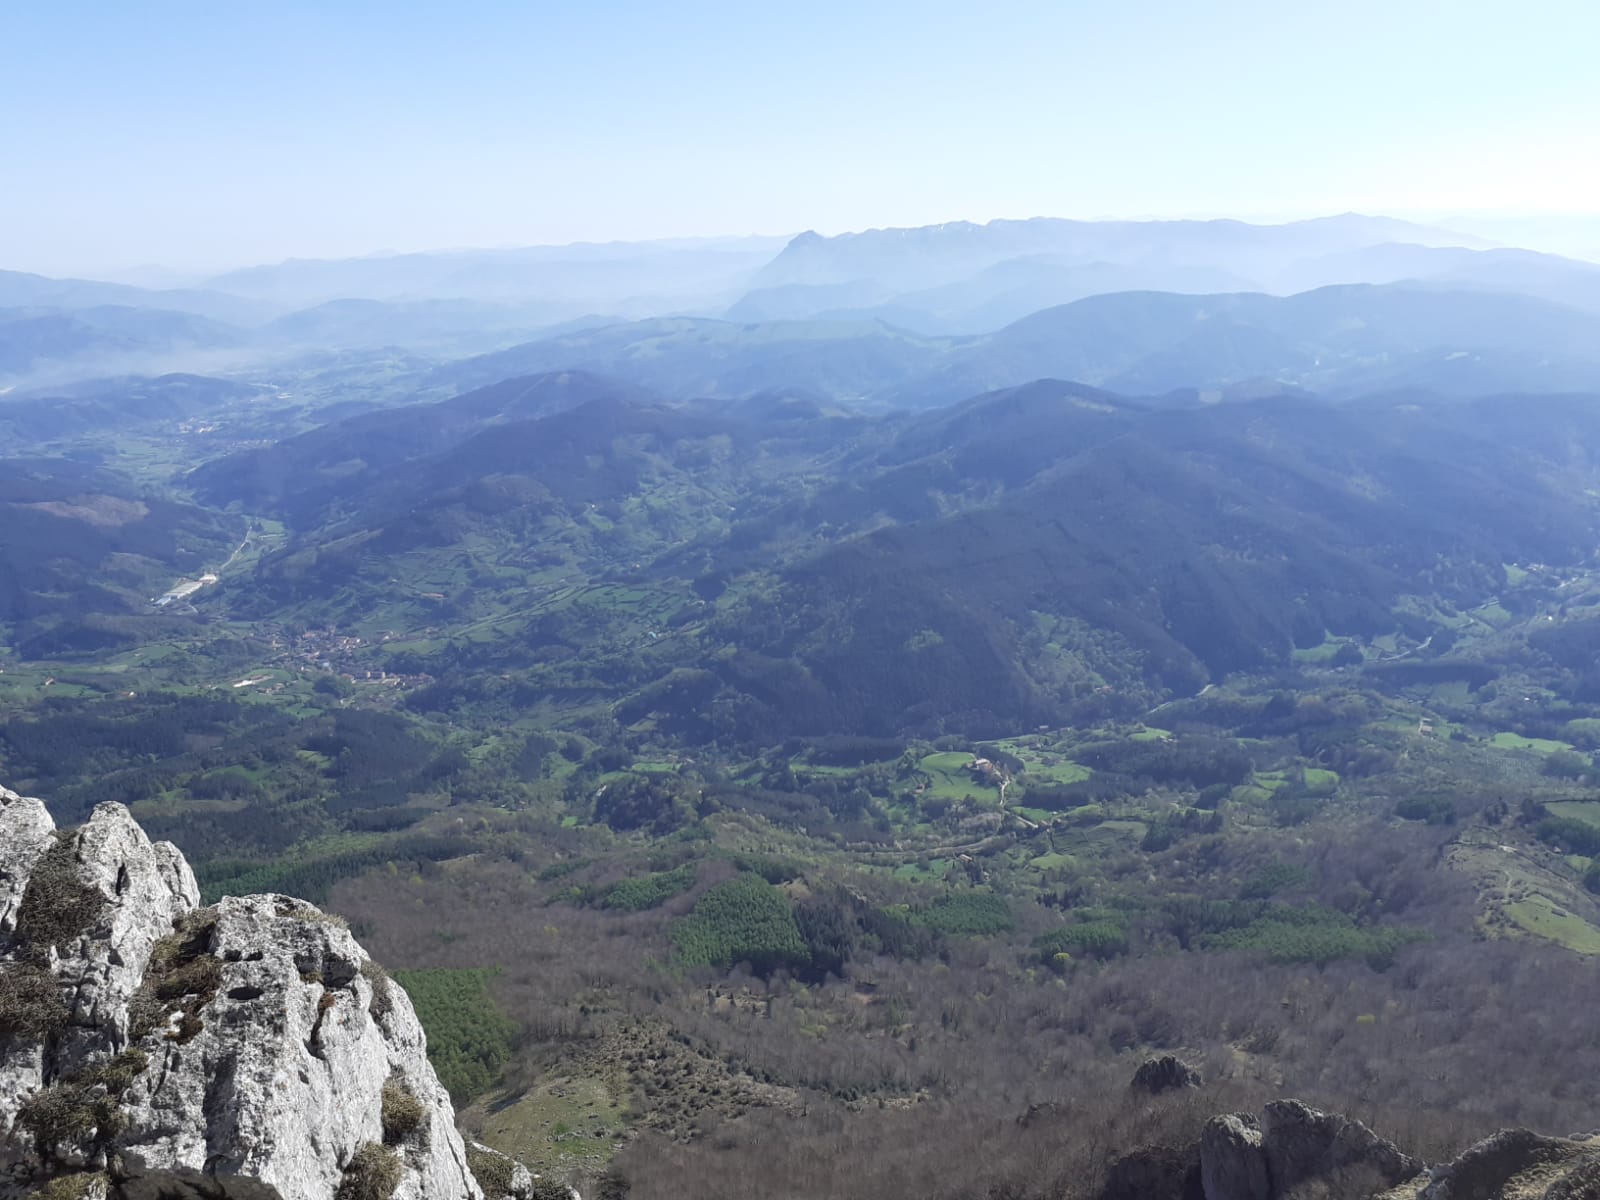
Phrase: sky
(205, 135)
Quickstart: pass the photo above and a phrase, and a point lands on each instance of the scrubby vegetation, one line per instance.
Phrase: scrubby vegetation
(31, 1002)
(81, 1109)
(402, 1112)
(57, 905)
(180, 979)
(373, 1173)
(492, 1171)
(74, 1186)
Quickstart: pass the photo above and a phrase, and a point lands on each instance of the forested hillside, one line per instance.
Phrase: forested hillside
(1030, 556)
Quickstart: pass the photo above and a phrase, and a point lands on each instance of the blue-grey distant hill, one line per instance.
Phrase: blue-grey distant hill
(96, 340)
(880, 316)
(1337, 341)
(912, 259)
(19, 289)
(962, 278)
(99, 406)
(636, 278)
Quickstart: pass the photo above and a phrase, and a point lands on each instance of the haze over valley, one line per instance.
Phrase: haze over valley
(920, 702)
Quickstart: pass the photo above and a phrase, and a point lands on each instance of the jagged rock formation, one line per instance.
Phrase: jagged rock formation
(154, 1048)
(1164, 1074)
(1294, 1150)
(504, 1178)
(1514, 1164)
(1293, 1143)
(1241, 1157)
(1233, 1164)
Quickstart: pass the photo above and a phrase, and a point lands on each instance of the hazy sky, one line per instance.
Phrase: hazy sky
(216, 133)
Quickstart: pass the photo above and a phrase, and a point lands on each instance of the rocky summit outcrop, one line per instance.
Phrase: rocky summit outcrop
(1233, 1165)
(1243, 1159)
(1165, 1074)
(1514, 1164)
(1293, 1150)
(151, 1047)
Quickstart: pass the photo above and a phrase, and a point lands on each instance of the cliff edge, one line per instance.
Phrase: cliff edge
(150, 1047)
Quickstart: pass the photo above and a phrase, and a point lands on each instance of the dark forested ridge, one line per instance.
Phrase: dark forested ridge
(885, 576)
(333, 460)
(84, 550)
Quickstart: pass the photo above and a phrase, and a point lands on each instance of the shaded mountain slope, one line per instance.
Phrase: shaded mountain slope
(296, 476)
(77, 542)
(108, 405)
(34, 338)
(1206, 542)
(686, 357)
(1016, 558)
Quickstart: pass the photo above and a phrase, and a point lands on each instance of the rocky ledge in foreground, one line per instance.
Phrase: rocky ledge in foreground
(150, 1047)
(1295, 1152)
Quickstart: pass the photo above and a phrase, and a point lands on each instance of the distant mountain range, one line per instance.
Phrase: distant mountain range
(933, 255)
(102, 339)
(962, 278)
(629, 278)
(18, 289)
(841, 316)
(1338, 341)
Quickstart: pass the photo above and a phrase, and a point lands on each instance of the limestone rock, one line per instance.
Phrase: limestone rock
(1165, 1074)
(249, 1051)
(1302, 1143)
(25, 829)
(504, 1178)
(1297, 1151)
(1292, 1145)
(1233, 1165)
(1516, 1164)
(146, 887)
(1154, 1173)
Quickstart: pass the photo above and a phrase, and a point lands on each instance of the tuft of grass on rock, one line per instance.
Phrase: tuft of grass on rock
(402, 1112)
(31, 1003)
(373, 1173)
(57, 905)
